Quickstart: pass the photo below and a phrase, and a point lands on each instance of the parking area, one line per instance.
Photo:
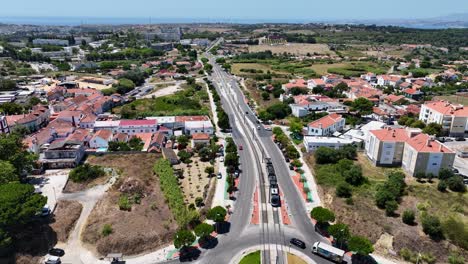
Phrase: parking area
(50, 184)
(461, 164)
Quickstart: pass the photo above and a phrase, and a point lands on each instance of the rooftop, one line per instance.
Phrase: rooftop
(446, 108)
(142, 122)
(326, 121)
(426, 143)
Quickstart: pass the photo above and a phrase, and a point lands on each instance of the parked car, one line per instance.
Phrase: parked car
(268, 128)
(237, 173)
(221, 159)
(53, 260)
(240, 147)
(219, 175)
(58, 252)
(460, 139)
(45, 211)
(298, 243)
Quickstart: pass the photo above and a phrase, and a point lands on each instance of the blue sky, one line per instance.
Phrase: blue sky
(236, 9)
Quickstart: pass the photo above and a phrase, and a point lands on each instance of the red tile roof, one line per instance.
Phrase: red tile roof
(200, 136)
(301, 83)
(412, 91)
(391, 134)
(142, 122)
(104, 134)
(424, 143)
(394, 98)
(447, 108)
(326, 121)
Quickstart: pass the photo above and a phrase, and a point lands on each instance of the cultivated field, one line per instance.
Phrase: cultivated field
(196, 181)
(322, 69)
(147, 225)
(293, 48)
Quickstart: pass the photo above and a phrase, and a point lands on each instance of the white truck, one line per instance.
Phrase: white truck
(329, 252)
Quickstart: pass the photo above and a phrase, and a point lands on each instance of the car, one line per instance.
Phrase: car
(53, 260)
(275, 201)
(460, 139)
(237, 173)
(287, 160)
(240, 147)
(58, 252)
(298, 243)
(221, 159)
(455, 170)
(258, 127)
(219, 175)
(45, 211)
(268, 128)
(246, 112)
(291, 167)
(258, 121)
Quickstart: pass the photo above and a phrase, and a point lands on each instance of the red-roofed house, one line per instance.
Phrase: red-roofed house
(453, 118)
(101, 139)
(392, 99)
(424, 154)
(133, 127)
(300, 83)
(413, 93)
(145, 138)
(157, 142)
(314, 83)
(200, 139)
(326, 125)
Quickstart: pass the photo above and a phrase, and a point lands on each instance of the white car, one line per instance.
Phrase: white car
(221, 159)
(53, 260)
(268, 128)
(219, 175)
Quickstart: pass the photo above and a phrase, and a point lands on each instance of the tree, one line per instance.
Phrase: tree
(340, 232)
(291, 152)
(12, 150)
(324, 155)
(183, 141)
(382, 196)
(223, 120)
(18, 204)
(432, 226)
(408, 217)
(420, 175)
(124, 86)
(203, 230)
(7, 172)
(184, 156)
(231, 160)
(360, 245)
(217, 214)
(209, 170)
(343, 190)
(199, 201)
(433, 129)
(183, 238)
(363, 105)
(354, 175)
(390, 207)
(322, 215)
(86, 172)
(295, 128)
(265, 96)
(135, 143)
(456, 184)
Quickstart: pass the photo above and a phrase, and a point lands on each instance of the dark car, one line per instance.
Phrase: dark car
(298, 243)
(460, 139)
(57, 252)
(275, 201)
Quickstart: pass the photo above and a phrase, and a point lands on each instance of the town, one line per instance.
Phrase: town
(233, 143)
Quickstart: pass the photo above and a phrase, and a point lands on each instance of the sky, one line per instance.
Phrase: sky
(273, 10)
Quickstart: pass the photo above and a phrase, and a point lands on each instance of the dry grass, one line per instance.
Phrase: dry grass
(322, 69)
(293, 48)
(65, 216)
(148, 226)
(293, 259)
(256, 94)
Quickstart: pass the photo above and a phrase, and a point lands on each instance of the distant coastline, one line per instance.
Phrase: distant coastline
(435, 23)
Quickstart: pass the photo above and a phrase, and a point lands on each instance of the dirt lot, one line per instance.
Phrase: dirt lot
(256, 94)
(293, 48)
(66, 215)
(293, 259)
(365, 219)
(149, 223)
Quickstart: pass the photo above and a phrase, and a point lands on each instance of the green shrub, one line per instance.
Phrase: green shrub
(442, 186)
(408, 217)
(456, 230)
(343, 190)
(86, 172)
(124, 203)
(456, 184)
(456, 258)
(106, 230)
(391, 207)
(432, 226)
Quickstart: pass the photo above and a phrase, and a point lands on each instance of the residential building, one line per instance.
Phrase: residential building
(452, 117)
(424, 154)
(200, 139)
(55, 42)
(108, 125)
(62, 154)
(313, 143)
(192, 127)
(300, 110)
(384, 147)
(101, 139)
(132, 127)
(157, 142)
(326, 125)
(413, 93)
(312, 83)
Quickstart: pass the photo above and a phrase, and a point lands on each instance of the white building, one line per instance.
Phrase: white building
(107, 125)
(300, 110)
(453, 118)
(313, 143)
(326, 125)
(192, 127)
(101, 139)
(132, 127)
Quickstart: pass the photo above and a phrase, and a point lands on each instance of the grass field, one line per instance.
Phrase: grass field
(185, 102)
(293, 48)
(456, 99)
(322, 69)
(236, 68)
(252, 258)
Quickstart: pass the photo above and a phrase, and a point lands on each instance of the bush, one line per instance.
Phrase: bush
(456, 258)
(432, 226)
(456, 230)
(124, 203)
(442, 186)
(86, 172)
(106, 230)
(322, 215)
(408, 217)
(390, 207)
(456, 184)
(343, 190)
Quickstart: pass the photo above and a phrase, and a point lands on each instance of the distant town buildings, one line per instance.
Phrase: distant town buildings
(55, 42)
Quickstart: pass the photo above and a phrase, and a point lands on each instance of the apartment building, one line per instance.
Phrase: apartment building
(384, 147)
(424, 154)
(452, 117)
(133, 127)
(326, 125)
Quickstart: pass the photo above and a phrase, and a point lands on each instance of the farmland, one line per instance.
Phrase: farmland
(294, 48)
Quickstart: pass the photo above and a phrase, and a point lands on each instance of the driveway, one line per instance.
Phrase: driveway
(51, 185)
